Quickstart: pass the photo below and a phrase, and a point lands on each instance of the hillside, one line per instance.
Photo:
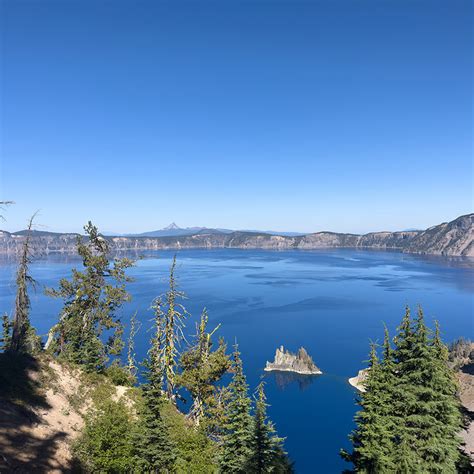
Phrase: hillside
(38, 421)
(45, 405)
(450, 238)
(455, 238)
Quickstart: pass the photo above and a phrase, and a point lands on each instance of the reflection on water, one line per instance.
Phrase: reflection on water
(283, 379)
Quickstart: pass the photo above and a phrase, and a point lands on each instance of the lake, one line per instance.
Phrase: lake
(332, 302)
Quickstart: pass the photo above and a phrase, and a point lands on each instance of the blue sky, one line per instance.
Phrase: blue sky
(286, 115)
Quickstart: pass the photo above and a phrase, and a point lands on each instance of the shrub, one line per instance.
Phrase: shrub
(119, 375)
(106, 441)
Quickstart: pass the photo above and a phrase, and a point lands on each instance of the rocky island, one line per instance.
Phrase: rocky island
(300, 363)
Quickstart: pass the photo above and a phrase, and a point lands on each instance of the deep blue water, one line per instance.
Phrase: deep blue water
(332, 302)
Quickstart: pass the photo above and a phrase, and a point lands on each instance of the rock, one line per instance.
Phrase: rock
(359, 379)
(300, 363)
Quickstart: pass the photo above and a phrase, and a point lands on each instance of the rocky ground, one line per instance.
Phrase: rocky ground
(466, 383)
(41, 413)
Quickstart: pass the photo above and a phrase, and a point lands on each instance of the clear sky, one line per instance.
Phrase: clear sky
(351, 115)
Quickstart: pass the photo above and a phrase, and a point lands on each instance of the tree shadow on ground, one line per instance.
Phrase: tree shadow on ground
(22, 400)
(40, 454)
(20, 381)
(468, 369)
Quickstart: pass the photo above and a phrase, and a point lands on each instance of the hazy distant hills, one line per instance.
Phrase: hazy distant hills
(174, 230)
(455, 238)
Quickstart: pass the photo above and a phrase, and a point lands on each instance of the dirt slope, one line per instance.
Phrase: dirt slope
(41, 408)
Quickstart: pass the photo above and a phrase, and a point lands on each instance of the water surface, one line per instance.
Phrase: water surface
(333, 302)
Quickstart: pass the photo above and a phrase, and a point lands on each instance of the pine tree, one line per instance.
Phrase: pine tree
(169, 317)
(91, 300)
(202, 368)
(404, 340)
(155, 450)
(23, 338)
(373, 438)
(266, 447)
(428, 416)
(445, 404)
(236, 449)
(6, 333)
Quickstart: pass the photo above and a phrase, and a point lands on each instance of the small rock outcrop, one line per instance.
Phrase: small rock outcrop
(359, 379)
(301, 362)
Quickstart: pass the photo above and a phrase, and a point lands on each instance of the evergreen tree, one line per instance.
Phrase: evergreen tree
(405, 339)
(169, 317)
(266, 447)
(6, 332)
(445, 404)
(155, 450)
(91, 299)
(236, 450)
(373, 438)
(202, 368)
(410, 413)
(428, 412)
(23, 338)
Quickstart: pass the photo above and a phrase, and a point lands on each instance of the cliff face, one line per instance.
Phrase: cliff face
(450, 238)
(454, 238)
(300, 363)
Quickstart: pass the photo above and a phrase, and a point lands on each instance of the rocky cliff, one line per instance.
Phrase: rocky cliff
(454, 238)
(450, 238)
(301, 362)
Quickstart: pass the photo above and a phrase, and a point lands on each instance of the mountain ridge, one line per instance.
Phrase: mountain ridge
(454, 238)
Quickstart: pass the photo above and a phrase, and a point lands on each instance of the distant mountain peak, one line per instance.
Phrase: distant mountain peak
(172, 226)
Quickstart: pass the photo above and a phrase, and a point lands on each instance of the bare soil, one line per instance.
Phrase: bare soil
(466, 383)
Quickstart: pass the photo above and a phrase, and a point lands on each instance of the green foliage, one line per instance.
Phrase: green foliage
(119, 375)
(373, 437)
(428, 410)
(410, 413)
(195, 452)
(201, 369)
(106, 443)
(23, 337)
(91, 299)
(236, 449)
(169, 323)
(266, 447)
(6, 333)
(155, 450)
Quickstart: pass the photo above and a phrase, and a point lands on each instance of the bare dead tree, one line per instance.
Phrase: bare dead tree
(3, 206)
(21, 328)
(131, 361)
